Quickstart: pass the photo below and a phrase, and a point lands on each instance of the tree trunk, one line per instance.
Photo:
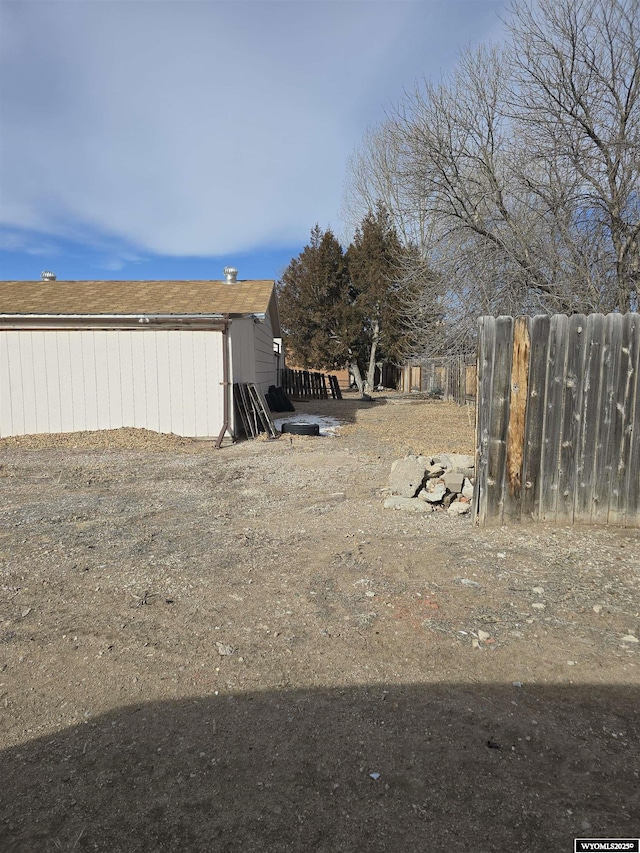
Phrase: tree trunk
(371, 372)
(355, 369)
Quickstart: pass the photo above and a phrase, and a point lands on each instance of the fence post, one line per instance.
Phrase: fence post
(535, 417)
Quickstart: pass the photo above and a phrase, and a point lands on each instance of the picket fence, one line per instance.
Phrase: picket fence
(307, 384)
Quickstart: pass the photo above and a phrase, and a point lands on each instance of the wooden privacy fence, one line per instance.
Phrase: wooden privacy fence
(558, 420)
(306, 384)
(452, 376)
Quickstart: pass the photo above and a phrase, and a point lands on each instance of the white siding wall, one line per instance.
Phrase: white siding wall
(243, 362)
(242, 356)
(66, 381)
(265, 357)
(252, 356)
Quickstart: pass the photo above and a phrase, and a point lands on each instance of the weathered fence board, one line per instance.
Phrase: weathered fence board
(632, 515)
(586, 471)
(534, 421)
(558, 420)
(621, 429)
(627, 390)
(334, 385)
(605, 451)
(571, 418)
(305, 384)
(516, 421)
(485, 364)
(498, 417)
(553, 394)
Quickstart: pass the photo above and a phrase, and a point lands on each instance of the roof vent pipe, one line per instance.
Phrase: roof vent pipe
(231, 275)
(47, 275)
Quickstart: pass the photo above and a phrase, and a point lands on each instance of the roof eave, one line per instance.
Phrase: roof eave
(112, 321)
(274, 314)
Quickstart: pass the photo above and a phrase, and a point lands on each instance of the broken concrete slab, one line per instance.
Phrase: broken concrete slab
(437, 481)
(454, 482)
(432, 493)
(458, 508)
(407, 504)
(458, 463)
(407, 475)
(436, 469)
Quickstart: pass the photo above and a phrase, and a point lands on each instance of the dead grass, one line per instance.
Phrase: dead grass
(416, 426)
(399, 424)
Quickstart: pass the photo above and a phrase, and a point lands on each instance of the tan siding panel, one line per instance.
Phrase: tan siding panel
(128, 415)
(64, 381)
(188, 382)
(78, 378)
(199, 382)
(139, 380)
(89, 382)
(210, 379)
(164, 381)
(151, 383)
(101, 380)
(39, 366)
(29, 392)
(52, 383)
(5, 387)
(176, 409)
(52, 380)
(112, 378)
(8, 391)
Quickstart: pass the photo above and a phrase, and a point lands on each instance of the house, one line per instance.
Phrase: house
(162, 355)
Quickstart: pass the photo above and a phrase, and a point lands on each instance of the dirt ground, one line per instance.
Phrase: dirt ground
(241, 650)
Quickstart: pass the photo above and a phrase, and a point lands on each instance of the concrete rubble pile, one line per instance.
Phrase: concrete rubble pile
(430, 483)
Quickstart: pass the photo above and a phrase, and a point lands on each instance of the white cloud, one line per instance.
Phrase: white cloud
(202, 127)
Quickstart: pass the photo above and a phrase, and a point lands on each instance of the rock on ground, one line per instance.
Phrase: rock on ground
(407, 475)
(407, 504)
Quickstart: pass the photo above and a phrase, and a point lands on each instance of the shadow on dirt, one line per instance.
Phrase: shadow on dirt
(461, 767)
(345, 410)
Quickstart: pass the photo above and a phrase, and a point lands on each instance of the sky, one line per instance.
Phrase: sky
(164, 139)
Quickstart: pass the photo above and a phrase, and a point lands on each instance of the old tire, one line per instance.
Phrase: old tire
(301, 429)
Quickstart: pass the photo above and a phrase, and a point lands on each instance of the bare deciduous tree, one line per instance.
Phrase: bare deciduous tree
(376, 174)
(577, 68)
(515, 182)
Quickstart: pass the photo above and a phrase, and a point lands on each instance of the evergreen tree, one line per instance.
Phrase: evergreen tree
(372, 259)
(339, 309)
(314, 300)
